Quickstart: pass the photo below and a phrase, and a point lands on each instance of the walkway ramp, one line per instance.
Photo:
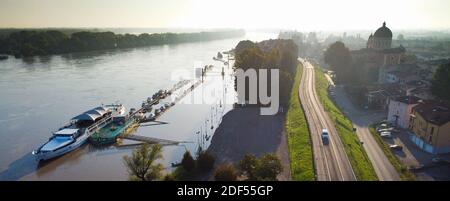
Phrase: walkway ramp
(151, 140)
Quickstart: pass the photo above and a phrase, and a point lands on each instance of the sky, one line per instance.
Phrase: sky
(253, 14)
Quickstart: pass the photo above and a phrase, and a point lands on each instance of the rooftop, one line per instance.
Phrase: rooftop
(435, 112)
(407, 99)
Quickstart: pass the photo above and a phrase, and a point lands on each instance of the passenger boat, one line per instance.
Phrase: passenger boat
(77, 131)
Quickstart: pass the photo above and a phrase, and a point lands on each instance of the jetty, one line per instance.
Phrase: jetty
(147, 105)
(151, 140)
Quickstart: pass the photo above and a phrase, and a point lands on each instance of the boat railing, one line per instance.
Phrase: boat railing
(98, 125)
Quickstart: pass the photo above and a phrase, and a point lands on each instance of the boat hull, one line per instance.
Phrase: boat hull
(43, 156)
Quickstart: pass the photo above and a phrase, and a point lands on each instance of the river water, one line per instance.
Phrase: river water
(40, 94)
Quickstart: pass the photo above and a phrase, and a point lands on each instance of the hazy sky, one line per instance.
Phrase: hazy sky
(290, 14)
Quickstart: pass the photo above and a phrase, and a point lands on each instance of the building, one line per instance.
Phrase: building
(400, 109)
(430, 124)
(375, 60)
(378, 96)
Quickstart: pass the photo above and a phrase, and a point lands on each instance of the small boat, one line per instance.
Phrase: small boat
(77, 131)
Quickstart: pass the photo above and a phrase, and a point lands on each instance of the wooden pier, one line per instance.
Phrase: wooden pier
(152, 140)
(164, 142)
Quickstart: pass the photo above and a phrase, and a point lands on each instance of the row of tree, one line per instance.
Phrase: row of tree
(251, 168)
(31, 43)
(143, 165)
(270, 54)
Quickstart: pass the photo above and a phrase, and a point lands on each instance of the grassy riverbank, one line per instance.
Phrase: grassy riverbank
(405, 174)
(299, 141)
(358, 157)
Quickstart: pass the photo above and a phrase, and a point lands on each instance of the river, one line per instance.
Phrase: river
(40, 94)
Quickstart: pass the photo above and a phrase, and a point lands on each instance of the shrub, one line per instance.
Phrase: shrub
(188, 163)
(205, 161)
(225, 172)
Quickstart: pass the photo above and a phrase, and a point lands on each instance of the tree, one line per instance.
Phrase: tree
(141, 165)
(169, 177)
(188, 163)
(440, 84)
(268, 168)
(225, 172)
(265, 168)
(400, 37)
(248, 165)
(339, 58)
(269, 54)
(205, 161)
(30, 43)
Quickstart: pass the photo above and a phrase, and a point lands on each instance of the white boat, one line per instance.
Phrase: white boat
(78, 131)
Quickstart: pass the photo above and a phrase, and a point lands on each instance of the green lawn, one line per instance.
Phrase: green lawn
(405, 174)
(299, 141)
(358, 157)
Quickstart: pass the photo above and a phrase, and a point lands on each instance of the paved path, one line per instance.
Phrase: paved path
(361, 121)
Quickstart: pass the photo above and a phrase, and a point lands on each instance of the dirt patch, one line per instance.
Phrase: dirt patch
(245, 131)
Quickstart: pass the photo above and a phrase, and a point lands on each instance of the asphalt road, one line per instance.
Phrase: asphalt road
(330, 161)
(361, 121)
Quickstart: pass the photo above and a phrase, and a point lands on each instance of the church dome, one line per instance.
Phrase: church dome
(383, 32)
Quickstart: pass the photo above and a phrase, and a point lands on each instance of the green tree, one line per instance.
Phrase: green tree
(265, 168)
(225, 172)
(340, 60)
(141, 165)
(169, 177)
(205, 161)
(188, 163)
(248, 165)
(268, 168)
(440, 84)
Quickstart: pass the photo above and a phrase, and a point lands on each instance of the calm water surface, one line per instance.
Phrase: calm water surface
(40, 94)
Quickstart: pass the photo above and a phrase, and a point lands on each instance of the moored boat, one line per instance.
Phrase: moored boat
(77, 131)
(109, 134)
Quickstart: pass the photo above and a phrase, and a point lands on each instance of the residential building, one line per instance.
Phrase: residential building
(400, 110)
(430, 124)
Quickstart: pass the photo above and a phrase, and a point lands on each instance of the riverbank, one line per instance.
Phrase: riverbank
(358, 157)
(30, 43)
(300, 148)
(245, 131)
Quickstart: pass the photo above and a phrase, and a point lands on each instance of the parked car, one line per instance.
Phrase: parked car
(436, 160)
(385, 130)
(386, 134)
(396, 147)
